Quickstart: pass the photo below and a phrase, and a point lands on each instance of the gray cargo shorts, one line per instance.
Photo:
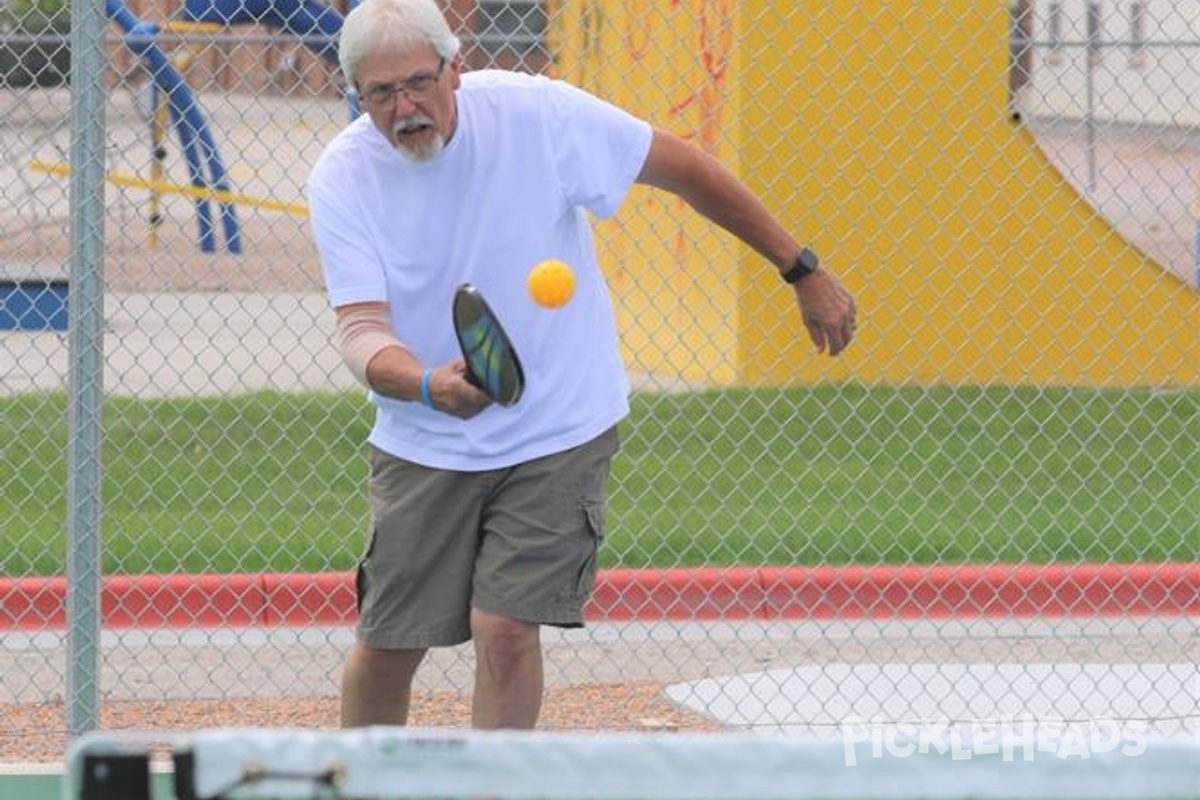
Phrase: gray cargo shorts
(521, 542)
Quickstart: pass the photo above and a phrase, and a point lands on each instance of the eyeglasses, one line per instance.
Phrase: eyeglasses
(415, 89)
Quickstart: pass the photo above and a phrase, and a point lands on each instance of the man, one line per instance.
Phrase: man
(486, 520)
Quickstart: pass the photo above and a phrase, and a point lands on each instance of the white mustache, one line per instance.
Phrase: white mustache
(413, 122)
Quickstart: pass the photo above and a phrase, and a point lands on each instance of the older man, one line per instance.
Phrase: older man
(486, 520)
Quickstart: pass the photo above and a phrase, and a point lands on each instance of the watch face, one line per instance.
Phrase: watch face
(807, 259)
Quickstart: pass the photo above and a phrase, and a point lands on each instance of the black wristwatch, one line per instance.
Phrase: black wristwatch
(805, 263)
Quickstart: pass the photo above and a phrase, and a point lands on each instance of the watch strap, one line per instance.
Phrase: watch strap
(806, 262)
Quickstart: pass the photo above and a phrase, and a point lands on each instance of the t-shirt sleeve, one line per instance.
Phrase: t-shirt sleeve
(600, 147)
(350, 264)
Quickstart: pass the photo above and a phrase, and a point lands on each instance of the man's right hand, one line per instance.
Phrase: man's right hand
(452, 393)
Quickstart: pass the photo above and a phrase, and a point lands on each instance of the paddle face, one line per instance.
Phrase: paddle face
(492, 363)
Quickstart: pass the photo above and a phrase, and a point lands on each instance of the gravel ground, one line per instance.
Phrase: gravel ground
(34, 733)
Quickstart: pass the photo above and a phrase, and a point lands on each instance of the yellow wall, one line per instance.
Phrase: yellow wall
(674, 276)
(880, 132)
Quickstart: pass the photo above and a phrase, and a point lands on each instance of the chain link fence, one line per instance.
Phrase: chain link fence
(988, 508)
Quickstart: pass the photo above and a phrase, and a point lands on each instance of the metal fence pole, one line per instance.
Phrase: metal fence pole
(1091, 61)
(85, 391)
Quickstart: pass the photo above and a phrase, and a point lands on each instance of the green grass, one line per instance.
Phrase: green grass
(833, 475)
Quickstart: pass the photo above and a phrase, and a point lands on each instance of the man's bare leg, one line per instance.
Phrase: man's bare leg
(377, 686)
(508, 672)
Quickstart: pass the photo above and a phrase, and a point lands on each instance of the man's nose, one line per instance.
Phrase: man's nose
(402, 101)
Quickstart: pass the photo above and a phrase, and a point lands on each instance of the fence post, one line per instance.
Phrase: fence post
(85, 386)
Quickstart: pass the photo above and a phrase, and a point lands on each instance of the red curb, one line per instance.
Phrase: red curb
(736, 593)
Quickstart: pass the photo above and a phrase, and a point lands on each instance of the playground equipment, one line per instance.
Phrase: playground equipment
(160, 118)
(126, 181)
(173, 104)
(316, 25)
(196, 140)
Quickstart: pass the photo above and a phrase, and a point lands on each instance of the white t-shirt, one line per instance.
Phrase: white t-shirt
(529, 159)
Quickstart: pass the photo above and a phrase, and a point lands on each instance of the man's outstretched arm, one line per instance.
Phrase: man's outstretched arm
(674, 165)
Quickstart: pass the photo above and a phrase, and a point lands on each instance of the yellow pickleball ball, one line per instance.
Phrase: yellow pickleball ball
(551, 283)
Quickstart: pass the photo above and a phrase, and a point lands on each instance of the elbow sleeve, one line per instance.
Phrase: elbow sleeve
(362, 334)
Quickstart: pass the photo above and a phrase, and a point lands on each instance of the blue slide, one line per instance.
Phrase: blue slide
(199, 148)
(313, 23)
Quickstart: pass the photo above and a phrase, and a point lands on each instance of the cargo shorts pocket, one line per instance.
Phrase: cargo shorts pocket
(594, 518)
(360, 573)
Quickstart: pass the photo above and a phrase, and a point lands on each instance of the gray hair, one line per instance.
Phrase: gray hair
(399, 24)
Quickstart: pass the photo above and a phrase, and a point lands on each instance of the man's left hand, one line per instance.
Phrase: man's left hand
(828, 311)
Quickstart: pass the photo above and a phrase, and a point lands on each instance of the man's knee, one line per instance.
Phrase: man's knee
(503, 637)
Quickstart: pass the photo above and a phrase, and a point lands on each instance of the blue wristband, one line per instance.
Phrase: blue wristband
(426, 399)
